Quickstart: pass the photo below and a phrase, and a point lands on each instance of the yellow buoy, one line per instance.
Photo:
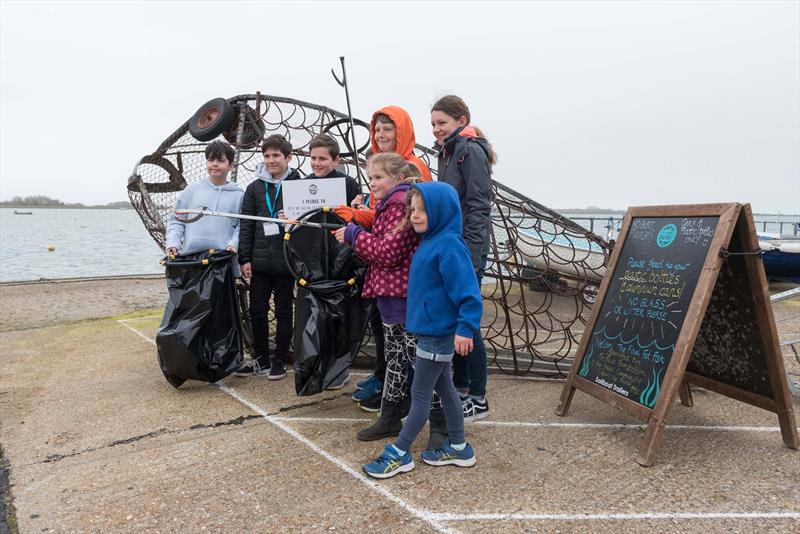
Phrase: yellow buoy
(50, 248)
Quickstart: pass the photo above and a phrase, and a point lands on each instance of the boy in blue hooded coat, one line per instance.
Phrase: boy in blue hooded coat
(444, 309)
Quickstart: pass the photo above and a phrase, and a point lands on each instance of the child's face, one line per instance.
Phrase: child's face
(443, 125)
(218, 168)
(380, 183)
(417, 215)
(386, 136)
(321, 162)
(275, 162)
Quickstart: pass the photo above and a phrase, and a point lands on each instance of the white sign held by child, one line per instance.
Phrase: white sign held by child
(300, 196)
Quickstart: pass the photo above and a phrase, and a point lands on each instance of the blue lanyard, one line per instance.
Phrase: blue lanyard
(269, 202)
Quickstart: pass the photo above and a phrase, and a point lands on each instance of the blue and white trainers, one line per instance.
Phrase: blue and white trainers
(447, 455)
(366, 382)
(389, 464)
(372, 386)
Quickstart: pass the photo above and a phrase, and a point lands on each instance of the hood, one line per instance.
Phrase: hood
(229, 186)
(405, 130)
(442, 207)
(467, 132)
(405, 138)
(264, 174)
(397, 194)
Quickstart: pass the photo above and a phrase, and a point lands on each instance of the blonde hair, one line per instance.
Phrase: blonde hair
(394, 165)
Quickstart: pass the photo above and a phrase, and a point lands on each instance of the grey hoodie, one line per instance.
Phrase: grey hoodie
(209, 232)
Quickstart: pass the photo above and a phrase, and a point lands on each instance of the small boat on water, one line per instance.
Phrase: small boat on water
(781, 255)
(23, 212)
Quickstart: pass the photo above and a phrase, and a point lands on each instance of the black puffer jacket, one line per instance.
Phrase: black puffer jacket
(265, 253)
(464, 164)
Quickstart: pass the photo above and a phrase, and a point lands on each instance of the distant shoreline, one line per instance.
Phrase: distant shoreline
(128, 206)
(56, 207)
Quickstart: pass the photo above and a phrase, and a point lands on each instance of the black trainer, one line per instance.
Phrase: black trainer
(372, 404)
(475, 409)
(252, 368)
(277, 371)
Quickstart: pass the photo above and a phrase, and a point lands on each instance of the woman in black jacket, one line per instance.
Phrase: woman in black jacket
(465, 160)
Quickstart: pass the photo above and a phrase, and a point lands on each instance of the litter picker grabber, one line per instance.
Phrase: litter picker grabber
(201, 212)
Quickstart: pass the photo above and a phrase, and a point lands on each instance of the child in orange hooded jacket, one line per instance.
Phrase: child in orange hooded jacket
(390, 130)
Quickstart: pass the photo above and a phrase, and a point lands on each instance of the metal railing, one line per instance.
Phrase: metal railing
(612, 224)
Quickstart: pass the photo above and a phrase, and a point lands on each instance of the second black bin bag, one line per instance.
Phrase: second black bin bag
(330, 316)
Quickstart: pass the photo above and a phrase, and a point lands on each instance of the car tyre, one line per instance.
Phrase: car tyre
(211, 119)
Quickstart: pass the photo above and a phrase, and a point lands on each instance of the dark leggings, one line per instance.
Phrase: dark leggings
(377, 336)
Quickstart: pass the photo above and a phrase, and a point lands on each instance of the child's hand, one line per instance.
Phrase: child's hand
(339, 234)
(463, 345)
(172, 252)
(358, 202)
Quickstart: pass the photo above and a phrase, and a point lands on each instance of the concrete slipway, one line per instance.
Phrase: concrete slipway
(94, 439)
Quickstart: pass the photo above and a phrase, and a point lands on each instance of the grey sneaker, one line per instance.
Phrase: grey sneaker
(340, 382)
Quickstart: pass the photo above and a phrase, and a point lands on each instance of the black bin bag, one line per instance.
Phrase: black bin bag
(200, 336)
(330, 316)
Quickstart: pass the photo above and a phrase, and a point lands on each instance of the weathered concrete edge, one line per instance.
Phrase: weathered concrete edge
(157, 276)
(8, 515)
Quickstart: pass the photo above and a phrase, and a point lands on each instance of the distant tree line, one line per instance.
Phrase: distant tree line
(41, 201)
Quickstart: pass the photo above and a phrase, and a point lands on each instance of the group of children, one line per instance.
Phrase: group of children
(426, 245)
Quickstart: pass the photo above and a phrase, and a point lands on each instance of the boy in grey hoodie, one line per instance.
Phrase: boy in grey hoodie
(214, 193)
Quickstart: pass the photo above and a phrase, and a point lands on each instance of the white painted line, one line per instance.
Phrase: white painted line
(502, 376)
(137, 318)
(615, 517)
(120, 321)
(423, 515)
(545, 425)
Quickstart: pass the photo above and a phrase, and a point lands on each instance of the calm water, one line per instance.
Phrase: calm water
(114, 242)
(87, 243)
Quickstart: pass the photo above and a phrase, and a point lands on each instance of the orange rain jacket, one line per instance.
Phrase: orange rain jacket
(405, 147)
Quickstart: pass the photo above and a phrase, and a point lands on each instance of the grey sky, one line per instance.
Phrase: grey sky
(586, 103)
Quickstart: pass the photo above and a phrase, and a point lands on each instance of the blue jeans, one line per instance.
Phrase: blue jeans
(470, 372)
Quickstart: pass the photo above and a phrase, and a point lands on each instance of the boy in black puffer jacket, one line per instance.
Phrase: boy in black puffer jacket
(261, 257)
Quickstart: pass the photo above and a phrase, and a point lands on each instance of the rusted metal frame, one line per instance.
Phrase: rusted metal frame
(239, 137)
(522, 299)
(554, 215)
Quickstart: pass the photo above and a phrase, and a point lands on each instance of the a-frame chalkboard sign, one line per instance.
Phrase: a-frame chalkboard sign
(684, 301)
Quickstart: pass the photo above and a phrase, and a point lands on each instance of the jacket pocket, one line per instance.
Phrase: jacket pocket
(429, 313)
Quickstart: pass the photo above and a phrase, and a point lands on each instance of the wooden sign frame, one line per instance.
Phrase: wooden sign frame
(733, 218)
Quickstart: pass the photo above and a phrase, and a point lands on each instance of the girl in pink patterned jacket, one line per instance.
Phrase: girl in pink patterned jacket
(388, 249)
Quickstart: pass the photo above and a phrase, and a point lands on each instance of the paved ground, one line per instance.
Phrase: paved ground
(98, 441)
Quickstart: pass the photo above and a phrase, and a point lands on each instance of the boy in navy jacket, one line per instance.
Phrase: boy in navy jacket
(444, 309)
